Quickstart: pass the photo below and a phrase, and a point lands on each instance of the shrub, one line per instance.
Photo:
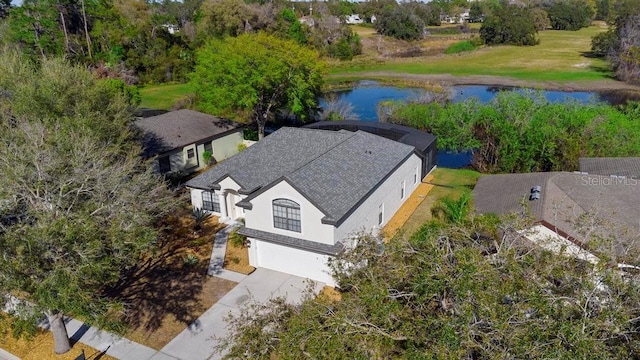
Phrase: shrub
(242, 147)
(190, 260)
(207, 156)
(200, 216)
(237, 240)
(459, 47)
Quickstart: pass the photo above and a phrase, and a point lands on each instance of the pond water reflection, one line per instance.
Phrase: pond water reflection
(367, 94)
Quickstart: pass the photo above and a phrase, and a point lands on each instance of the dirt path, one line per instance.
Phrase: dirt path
(447, 79)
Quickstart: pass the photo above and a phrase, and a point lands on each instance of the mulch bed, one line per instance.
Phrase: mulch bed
(171, 289)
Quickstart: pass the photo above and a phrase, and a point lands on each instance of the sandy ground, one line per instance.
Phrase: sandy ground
(409, 206)
(446, 79)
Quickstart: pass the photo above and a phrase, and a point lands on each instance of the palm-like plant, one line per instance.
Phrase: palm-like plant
(200, 216)
(452, 210)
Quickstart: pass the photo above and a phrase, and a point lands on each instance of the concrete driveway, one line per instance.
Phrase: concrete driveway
(197, 341)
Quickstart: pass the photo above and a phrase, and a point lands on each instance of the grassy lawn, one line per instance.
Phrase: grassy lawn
(40, 347)
(448, 182)
(163, 96)
(559, 57)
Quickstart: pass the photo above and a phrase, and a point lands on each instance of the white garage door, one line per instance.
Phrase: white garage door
(291, 261)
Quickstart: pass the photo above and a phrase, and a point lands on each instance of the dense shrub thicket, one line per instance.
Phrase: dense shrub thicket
(519, 132)
(447, 293)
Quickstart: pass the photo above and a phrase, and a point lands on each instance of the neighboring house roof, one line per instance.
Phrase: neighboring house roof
(335, 170)
(564, 198)
(177, 129)
(618, 166)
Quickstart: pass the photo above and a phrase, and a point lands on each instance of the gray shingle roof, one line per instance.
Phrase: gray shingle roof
(564, 198)
(419, 139)
(293, 242)
(334, 170)
(176, 129)
(505, 193)
(621, 166)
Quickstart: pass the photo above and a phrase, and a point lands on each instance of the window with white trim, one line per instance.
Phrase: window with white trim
(191, 153)
(380, 214)
(415, 175)
(210, 201)
(286, 215)
(402, 189)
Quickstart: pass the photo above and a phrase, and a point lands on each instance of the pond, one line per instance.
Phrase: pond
(366, 95)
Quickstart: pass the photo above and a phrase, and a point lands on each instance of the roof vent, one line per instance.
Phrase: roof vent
(535, 193)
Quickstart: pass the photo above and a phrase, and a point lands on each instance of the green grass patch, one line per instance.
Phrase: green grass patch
(448, 182)
(459, 47)
(562, 56)
(163, 96)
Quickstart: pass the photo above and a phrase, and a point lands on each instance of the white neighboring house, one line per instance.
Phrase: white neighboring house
(304, 192)
(180, 138)
(353, 19)
(171, 28)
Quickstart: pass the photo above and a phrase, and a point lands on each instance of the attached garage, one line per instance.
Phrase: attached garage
(291, 255)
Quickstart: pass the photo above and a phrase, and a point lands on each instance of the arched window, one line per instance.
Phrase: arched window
(286, 215)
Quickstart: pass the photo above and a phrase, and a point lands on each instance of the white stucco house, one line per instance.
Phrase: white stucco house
(179, 140)
(304, 192)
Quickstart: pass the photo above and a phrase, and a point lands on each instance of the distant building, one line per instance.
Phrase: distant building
(353, 19)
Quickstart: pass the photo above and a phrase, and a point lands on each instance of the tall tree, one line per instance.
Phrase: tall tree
(621, 43)
(570, 14)
(253, 77)
(509, 24)
(77, 205)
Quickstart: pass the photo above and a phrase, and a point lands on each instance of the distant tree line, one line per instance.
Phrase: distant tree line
(155, 41)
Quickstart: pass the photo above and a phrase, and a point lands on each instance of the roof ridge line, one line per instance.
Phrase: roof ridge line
(320, 154)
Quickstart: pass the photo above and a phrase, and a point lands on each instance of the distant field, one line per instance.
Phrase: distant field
(163, 96)
(561, 56)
